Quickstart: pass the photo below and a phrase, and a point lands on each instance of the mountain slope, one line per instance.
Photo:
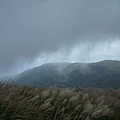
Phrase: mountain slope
(104, 74)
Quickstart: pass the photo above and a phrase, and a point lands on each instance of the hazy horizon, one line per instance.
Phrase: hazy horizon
(43, 31)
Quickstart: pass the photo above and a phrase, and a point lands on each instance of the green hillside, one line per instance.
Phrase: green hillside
(104, 74)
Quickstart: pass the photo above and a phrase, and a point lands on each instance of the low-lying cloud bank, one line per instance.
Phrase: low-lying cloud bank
(85, 53)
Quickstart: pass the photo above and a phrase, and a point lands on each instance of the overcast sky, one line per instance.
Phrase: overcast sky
(33, 32)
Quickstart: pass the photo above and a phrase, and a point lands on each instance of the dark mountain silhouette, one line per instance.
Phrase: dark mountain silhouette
(104, 74)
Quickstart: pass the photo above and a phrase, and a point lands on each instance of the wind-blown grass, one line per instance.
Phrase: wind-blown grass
(27, 103)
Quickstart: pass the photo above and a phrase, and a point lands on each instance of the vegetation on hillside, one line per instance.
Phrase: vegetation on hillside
(104, 74)
(28, 103)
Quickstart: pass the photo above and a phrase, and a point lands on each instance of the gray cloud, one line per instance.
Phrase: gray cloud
(29, 29)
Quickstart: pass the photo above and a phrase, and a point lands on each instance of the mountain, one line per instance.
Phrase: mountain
(104, 74)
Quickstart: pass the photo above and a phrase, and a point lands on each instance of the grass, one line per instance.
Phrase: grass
(27, 103)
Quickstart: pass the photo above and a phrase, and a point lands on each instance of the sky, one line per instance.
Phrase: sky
(34, 32)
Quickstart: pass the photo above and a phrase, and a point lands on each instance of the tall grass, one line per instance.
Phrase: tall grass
(27, 103)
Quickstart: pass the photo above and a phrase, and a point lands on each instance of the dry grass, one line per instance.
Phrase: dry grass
(27, 103)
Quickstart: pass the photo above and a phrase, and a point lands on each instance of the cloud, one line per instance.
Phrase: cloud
(30, 29)
(79, 53)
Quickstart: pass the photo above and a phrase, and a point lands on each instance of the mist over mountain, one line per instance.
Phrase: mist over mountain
(104, 74)
(72, 44)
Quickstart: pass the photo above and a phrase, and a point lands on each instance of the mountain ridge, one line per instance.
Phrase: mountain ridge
(103, 74)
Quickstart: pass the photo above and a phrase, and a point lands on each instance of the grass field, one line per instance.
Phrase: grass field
(27, 103)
